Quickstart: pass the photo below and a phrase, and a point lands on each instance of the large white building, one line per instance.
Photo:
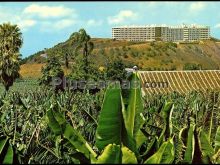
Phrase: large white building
(181, 33)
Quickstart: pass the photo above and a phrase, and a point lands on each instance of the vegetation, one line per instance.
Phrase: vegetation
(192, 66)
(83, 69)
(116, 70)
(11, 41)
(51, 72)
(144, 55)
(41, 127)
(83, 43)
(112, 125)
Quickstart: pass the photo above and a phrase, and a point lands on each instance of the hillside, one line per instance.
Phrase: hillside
(146, 55)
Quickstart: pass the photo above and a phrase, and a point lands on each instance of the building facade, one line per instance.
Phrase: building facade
(181, 33)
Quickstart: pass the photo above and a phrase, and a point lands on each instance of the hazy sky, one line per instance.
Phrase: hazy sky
(45, 24)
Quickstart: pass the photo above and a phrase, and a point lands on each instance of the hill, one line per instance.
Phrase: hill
(146, 55)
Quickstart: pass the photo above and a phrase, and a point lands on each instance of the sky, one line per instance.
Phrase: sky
(45, 24)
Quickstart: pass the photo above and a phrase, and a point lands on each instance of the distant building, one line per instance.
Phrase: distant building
(135, 68)
(181, 33)
(44, 55)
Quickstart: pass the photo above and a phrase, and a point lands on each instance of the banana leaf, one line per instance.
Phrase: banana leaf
(205, 145)
(6, 152)
(128, 157)
(8, 159)
(53, 123)
(116, 154)
(59, 126)
(167, 114)
(190, 147)
(165, 154)
(109, 128)
(132, 113)
(2, 144)
(217, 139)
(111, 155)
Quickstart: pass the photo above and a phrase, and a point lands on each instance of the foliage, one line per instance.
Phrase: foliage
(6, 151)
(42, 127)
(116, 70)
(11, 41)
(191, 66)
(51, 72)
(82, 70)
(24, 122)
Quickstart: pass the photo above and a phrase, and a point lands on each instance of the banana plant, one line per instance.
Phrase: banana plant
(210, 154)
(69, 137)
(194, 145)
(131, 130)
(115, 133)
(120, 123)
(164, 151)
(118, 135)
(164, 155)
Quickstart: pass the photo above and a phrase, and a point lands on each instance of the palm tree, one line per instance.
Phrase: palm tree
(82, 40)
(10, 43)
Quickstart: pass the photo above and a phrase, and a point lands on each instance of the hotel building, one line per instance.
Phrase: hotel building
(181, 33)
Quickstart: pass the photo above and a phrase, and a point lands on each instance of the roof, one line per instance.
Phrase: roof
(164, 25)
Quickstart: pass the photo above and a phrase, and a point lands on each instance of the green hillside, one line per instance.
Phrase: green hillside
(146, 55)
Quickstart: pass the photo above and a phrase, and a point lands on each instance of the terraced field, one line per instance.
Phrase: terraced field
(154, 82)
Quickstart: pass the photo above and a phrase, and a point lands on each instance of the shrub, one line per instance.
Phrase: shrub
(173, 67)
(192, 66)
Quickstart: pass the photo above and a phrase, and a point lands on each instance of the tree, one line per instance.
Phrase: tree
(52, 70)
(10, 58)
(82, 41)
(116, 70)
(66, 60)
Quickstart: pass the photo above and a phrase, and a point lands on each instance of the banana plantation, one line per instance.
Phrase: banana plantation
(42, 124)
(114, 125)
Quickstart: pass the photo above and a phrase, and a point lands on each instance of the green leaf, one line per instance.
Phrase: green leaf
(165, 154)
(151, 149)
(190, 147)
(9, 156)
(2, 144)
(6, 156)
(132, 115)
(128, 157)
(206, 148)
(53, 123)
(198, 156)
(217, 139)
(59, 126)
(59, 117)
(57, 144)
(179, 149)
(110, 155)
(168, 155)
(78, 141)
(167, 115)
(109, 128)
(140, 138)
